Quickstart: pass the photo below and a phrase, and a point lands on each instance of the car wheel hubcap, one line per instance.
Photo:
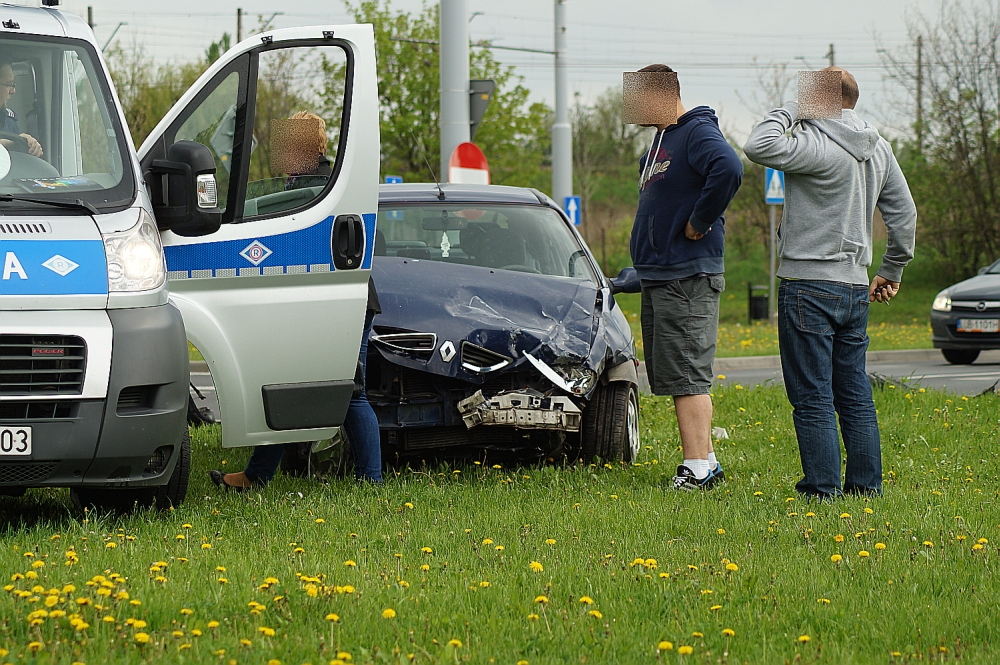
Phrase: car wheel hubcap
(632, 423)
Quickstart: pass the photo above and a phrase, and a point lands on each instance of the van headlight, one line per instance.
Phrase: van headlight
(135, 257)
(942, 303)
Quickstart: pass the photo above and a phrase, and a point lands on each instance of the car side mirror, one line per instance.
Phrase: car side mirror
(627, 281)
(983, 270)
(184, 191)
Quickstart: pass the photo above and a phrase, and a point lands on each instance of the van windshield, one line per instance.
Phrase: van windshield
(60, 135)
(522, 238)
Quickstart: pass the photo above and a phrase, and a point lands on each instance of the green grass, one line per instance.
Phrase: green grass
(926, 601)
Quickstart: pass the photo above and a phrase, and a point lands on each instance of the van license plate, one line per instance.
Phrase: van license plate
(15, 441)
(979, 325)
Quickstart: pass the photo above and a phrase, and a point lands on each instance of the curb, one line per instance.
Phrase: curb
(199, 367)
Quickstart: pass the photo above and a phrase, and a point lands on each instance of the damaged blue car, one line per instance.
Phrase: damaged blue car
(499, 336)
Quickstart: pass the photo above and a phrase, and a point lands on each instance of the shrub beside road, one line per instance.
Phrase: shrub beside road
(544, 564)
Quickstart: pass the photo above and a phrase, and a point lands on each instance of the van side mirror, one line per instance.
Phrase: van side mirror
(183, 190)
(627, 281)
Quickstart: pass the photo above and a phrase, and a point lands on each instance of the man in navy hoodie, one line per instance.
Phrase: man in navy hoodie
(686, 180)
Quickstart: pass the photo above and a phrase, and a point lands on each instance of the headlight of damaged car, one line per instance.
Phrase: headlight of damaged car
(579, 379)
(135, 257)
(942, 303)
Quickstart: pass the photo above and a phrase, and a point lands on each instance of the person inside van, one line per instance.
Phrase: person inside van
(7, 115)
(303, 155)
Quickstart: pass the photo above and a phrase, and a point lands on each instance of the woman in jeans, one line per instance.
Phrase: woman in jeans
(360, 425)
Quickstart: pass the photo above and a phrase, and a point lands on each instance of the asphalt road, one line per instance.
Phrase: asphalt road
(932, 372)
(927, 368)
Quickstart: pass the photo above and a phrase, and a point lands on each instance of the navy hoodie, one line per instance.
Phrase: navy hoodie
(693, 176)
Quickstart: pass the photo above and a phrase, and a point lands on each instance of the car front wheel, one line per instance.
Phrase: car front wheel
(960, 356)
(611, 424)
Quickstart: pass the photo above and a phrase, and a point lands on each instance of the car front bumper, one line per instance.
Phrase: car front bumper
(945, 335)
(131, 436)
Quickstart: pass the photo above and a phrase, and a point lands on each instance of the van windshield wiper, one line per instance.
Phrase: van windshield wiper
(78, 203)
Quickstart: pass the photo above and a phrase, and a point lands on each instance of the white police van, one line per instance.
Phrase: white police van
(233, 226)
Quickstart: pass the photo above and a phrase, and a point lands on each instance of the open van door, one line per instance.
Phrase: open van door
(275, 298)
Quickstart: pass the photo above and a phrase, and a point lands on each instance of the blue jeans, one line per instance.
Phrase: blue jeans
(822, 333)
(360, 425)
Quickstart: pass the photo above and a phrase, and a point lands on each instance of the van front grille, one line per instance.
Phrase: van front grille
(42, 364)
(20, 473)
(48, 410)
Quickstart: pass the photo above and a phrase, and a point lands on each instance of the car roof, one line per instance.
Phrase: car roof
(427, 192)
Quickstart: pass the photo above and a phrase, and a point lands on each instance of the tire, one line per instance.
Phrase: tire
(611, 424)
(124, 500)
(960, 356)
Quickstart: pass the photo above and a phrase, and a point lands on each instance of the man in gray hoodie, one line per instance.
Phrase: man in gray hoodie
(837, 171)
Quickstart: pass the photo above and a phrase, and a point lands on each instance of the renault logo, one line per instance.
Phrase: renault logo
(981, 305)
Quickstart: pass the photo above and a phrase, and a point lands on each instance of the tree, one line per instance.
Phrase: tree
(513, 134)
(955, 175)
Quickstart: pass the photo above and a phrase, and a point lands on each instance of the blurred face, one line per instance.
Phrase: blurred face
(6, 84)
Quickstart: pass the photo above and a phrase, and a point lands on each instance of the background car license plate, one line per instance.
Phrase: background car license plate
(979, 325)
(15, 441)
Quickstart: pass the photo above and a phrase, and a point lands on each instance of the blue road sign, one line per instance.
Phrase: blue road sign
(774, 187)
(572, 207)
(393, 179)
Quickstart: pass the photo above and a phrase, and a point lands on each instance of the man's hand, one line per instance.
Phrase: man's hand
(882, 290)
(691, 234)
(34, 147)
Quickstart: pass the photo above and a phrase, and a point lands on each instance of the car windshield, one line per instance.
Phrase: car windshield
(532, 239)
(59, 139)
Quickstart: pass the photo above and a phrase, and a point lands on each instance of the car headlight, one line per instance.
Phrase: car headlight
(942, 303)
(135, 257)
(579, 379)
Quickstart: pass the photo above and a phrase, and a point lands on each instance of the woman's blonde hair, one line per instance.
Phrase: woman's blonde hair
(306, 115)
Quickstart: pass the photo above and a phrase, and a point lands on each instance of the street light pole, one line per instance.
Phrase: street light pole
(454, 90)
(562, 136)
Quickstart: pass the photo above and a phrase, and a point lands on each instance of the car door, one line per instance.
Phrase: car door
(275, 299)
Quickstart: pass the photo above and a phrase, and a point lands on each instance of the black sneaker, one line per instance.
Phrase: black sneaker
(687, 481)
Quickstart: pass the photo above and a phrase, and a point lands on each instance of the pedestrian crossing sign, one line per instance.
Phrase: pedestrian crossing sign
(774, 187)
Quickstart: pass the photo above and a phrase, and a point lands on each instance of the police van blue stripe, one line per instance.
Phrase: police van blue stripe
(305, 250)
(53, 267)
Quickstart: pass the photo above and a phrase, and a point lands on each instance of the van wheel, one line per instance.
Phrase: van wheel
(960, 356)
(611, 424)
(124, 500)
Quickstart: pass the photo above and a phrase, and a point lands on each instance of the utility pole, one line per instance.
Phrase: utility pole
(239, 24)
(829, 55)
(920, 94)
(562, 136)
(454, 90)
(90, 17)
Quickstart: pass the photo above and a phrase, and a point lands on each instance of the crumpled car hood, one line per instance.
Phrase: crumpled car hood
(505, 311)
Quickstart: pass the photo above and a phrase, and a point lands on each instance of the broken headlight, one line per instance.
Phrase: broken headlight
(579, 379)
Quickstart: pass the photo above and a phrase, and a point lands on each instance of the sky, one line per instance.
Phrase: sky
(713, 44)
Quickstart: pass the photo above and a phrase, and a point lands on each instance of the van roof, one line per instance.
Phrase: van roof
(43, 21)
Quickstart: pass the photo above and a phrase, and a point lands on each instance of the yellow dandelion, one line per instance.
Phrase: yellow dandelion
(983, 541)
(487, 541)
(728, 632)
(550, 541)
(498, 548)
(823, 601)
(697, 634)
(595, 614)
(532, 617)
(178, 633)
(586, 600)
(721, 532)
(928, 543)
(880, 546)
(180, 536)
(142, 638)
(685, 650)
(455, 643)
(408, 505)
(843, 516)
(213, 624)
(541, 599)
(977, 547)
(223, 580)
(350, 564)
(536, 567)
(804, 638)
(388, 613)
(838, 538)
(320, 520)
(206, 546)
(836, 558)
(713, 608)
(425, 567)
(426, 550)
(35, 646)
(245, 642)
(732, 567)
(332, 618)
(665, 646)
(664, 576)
(265, 631)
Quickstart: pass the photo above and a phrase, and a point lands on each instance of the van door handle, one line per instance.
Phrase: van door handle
(347, 243)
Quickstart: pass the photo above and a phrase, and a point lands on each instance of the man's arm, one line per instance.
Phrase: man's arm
(711, 155)
(900, 216)
(768, 144)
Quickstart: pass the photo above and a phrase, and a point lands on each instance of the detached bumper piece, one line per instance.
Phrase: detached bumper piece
(521, 409)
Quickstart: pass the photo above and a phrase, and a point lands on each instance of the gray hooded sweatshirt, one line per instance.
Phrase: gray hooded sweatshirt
(836, 173)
